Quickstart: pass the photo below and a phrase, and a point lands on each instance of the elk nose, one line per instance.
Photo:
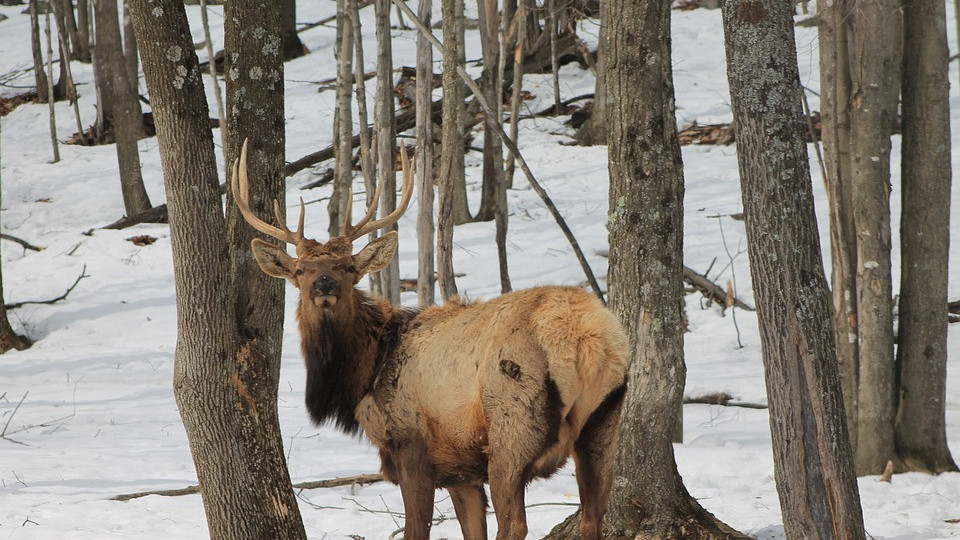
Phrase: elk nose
(326, 285)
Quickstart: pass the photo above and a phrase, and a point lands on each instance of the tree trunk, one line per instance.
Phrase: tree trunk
(648, 499)
(292, 46)
(40, 78)
(921, 438)
(8, 338)
(131, 57)
(835, 116)
(492, 146)
(813, 462)
(426, 279)
(343, 125)
(451, 152)
(594, 131)
(876, 78)
(386, 137)
(81, 48)
(227, 360)
(126, 118)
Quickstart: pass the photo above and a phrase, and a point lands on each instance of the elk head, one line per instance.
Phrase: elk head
(324, 273)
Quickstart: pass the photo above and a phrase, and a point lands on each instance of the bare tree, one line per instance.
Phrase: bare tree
(227, 357)
(426, 278)
(292, 46)
(920, 433)
(343, 122)
(8, 338)
(649, 499)
(386, 134)
(835, 114)
(813, 461)
(876, 77)
(124, 116)
(451, 153)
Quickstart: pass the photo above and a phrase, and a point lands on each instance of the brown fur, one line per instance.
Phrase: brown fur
(463, 394)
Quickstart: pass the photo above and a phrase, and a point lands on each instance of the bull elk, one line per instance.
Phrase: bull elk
(459, 395)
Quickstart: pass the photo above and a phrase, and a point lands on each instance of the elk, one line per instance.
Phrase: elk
(459, 395)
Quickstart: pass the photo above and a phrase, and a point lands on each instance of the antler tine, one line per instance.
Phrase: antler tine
(358, 230)
(240, 186)
(366, 226)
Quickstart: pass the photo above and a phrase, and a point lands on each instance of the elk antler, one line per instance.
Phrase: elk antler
(365, 226)
(241, 194)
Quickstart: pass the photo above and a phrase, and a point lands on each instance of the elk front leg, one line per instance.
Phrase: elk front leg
(470, 503)
(416, 487)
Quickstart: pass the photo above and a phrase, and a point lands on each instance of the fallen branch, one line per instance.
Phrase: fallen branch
(24, 243)
(721, 398)
(711, 290)
(360, 479)
(157, 214)
(15, 305)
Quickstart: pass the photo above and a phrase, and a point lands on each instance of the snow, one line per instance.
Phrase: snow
(89, 413)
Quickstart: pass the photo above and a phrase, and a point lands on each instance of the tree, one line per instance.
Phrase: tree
(426, 279)
(649, 500)
(646, 274)
(227, 357)
(835, 114)
(124, 116)
(451, 152)
(386, 134)
(876, 76)
(8, 338)
(920, 430)
(813, 461)
(292, 46)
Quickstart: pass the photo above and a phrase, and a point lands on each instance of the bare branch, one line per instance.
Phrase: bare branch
(83, 274)
(359, 479)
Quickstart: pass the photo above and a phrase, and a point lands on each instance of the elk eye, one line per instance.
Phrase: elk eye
(352, 269)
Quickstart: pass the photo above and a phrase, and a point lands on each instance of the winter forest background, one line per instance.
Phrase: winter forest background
(87, 394)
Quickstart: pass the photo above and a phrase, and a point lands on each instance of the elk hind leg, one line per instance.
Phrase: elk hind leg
(470, 503)
(594, 453)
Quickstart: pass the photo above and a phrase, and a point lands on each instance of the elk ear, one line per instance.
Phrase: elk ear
(273, 259)
(376, 255)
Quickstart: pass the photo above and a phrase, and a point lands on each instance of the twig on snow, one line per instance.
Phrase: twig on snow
(83, 274)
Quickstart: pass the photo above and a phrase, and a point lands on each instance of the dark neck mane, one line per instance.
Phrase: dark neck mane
(344, 355)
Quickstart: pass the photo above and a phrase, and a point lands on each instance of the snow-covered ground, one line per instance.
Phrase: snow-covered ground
(89, 413)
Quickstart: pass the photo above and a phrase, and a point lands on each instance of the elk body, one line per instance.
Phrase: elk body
(459, 395)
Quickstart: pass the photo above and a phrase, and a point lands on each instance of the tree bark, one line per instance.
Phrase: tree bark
(343, 125)
(226, 363)
(492, 146)
(131, 57)
(920, 428)
(292, 46)
(813, 462)
(386, 137)
(876, 78)
(125, 116)
(81, 48)
(451, 152)
(835, 116)
(648, 499)
(8, 338)
(40, 78)
(426, 278)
